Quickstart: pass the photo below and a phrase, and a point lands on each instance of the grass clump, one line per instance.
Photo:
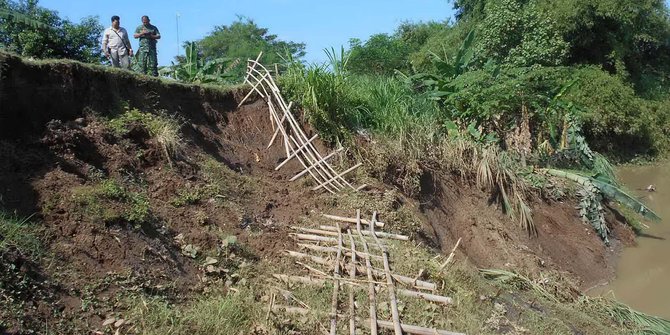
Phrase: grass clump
(164, 129)
(109, 201)
(218, 314)
(19, 233)
(187, 197)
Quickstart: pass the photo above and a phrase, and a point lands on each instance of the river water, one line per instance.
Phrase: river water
(643, 272)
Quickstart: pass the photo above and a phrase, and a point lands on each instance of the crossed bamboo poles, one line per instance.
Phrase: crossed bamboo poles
(338, 243)
(296, 143)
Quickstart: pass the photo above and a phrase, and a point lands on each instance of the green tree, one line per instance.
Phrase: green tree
(381, 54)
(54, 38)
(244, 39)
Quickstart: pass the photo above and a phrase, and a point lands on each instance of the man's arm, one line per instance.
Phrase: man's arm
(127, 41)
(157, 34)
(137, 33)
(105, 42)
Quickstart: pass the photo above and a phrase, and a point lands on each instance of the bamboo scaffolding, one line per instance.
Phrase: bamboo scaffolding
(265, 80)
(367, 233)
(280, 125)
(338, 176)
(336, 287)
(308, 237)
(371, 287)
(295, 152)
(321, 167)
(313, 269)
(352, 276)
(391, 287)
(316, 231)
(352, 220)
(315, 259)
(251, 91)
(316, 164)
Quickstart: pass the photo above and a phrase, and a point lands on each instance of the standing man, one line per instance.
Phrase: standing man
(147, 58)
(116, 45)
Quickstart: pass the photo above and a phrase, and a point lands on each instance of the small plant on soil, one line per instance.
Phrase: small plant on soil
(19, 233)
(164, 129)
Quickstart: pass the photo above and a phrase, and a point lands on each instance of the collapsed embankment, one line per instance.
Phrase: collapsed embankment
(115, 210)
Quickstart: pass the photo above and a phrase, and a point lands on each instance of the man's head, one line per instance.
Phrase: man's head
(115, 21)
(145, 20)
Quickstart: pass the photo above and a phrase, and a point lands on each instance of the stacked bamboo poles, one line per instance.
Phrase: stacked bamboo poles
(340, 252)
(296, 143)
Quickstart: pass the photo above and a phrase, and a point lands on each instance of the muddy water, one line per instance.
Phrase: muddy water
(643, 272)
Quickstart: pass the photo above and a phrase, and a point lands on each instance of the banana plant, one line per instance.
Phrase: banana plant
(194, 69)
(594, 189)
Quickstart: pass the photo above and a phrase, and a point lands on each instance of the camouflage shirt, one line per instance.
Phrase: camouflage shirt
(146, 42)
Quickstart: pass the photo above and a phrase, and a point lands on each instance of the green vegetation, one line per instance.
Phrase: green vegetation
(20, 234)
(163, 128)
(193, 68)
(109, 201)
(31, 30)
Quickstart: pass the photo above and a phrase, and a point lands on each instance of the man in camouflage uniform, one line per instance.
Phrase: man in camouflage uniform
(147, 58)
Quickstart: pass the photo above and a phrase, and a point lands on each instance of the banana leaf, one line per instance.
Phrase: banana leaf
(609, 191)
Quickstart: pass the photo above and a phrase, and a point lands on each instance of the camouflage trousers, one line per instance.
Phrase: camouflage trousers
(147, 62)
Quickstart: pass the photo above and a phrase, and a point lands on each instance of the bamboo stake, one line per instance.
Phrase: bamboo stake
(426, 296)
(389, 279)
(371, 287)
(287, 145)
(256, 61)
(309, 157)
(409, 329)
(315, 231)
(334, 250)
(298, 279)
(275, 117)
(367, 233)
(352, 276)
(336, 287)
(301, 134)
(295, 152)
(451, 255)
(338, 176)
(274, 136)
(315, 270)
(323, 172)
(314, 238)
(416, 330)
(253, 88)
(317, 163)
(352, 220)
(315, 259)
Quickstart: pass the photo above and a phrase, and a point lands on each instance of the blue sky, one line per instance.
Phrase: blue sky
(319, 24)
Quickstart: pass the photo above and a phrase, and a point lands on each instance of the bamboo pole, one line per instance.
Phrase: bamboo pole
(426, 296)
(352, 276)
(352, 220)
(409, 329)
(309, 237)
(336, 287)
(451, 255)
(334, 250)
(416, 330)
(315, 259)
(367, 233)
(256, 61)
(281, 124)
(295, 152)
(312, 166)
(298, 279)
(337, 176)
(298, 129)
(287, 145)
(391, 287)
(253, 88)
(309, 157)
(371, 287)
(315, 231)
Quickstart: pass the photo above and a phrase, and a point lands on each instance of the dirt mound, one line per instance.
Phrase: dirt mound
(455, 209)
